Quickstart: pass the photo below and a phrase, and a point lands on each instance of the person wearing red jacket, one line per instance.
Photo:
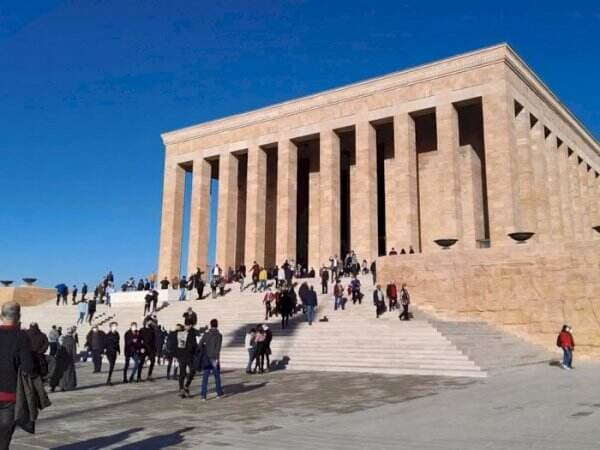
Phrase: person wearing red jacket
(567, 343)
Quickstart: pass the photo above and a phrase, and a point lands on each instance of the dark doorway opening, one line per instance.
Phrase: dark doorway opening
(347, 160)
(271, 207)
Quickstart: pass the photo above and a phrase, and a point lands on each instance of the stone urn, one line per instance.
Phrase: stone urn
(446, 243)
(521, 236)
(6, 283)
(29, 281)
(597, 228)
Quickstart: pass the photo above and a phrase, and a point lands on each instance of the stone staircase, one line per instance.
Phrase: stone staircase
(352, 340)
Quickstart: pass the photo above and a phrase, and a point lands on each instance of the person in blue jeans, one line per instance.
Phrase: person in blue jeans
(210, 348)
(311, 305)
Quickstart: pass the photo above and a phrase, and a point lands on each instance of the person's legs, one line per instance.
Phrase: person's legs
(97, 359)
(204, 388)
(169, 365)
(182, 373)
(57, 299)
(7, 424)
(151, 367)
(140, 366)
(217, 373)
(112, 357)
(127, 359)
(136, 367)
(250, 359)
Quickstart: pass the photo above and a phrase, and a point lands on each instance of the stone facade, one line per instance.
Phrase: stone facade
(531, 289)
(472, 147)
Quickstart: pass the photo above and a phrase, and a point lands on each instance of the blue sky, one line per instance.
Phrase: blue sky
(88, 86)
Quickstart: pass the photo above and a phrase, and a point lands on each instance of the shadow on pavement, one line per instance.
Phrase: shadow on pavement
(99, 442)
(157, 442)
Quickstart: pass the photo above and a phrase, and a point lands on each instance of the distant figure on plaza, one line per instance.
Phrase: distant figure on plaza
(373, 269)
(62, 292)
(405, 301)
(84, 291)
(378, 301)
(210, 345)
(338, 295)
(95, 343)
(164, 284)
(64, 373)
(190, 316)
(393, 252)
(74, 295)
(199, 283)
(566, 341)
(411, 250)
(250, 346)
(182, 288)
(268, 301)
(286, 306)
(355, 290)
(112, 348)
(392, 294)
(15, 355)
(82, 308)
(53, 339)
(324, 274)
(91, 310)
(310, 303)
(108, 291)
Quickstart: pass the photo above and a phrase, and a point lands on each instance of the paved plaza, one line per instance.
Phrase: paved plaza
(529, 406)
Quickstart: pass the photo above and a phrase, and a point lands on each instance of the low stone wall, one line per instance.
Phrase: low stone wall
(530, 290)
(26, 295)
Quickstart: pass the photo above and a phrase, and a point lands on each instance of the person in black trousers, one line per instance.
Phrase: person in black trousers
(405, 300)
(112, 348)
(186, 349)
(91, 310)
(95, 342)
(149, 339)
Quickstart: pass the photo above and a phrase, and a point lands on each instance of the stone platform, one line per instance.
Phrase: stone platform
(26, 295)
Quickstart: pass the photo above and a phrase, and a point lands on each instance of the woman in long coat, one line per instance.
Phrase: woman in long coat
(63, 370)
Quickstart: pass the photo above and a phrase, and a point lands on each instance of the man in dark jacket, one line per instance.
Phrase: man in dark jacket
(190, 316)
(324, 279)
(149, 338)
(15, 353)
(186, 349)
(39, 345)
(311, 305)
(210, 345)
(112, 348)
(95, 342)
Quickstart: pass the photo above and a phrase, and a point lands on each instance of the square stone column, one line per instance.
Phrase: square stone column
(171, 227)
(401, 199)
(199, 216)
(314, 210)
(565, 190)
(471, 196)
(525, 205)
(553, 183)
(541, 194)
(501, 164)
(287, 179)
(449, 206)
(256, 202)
(363, 194)
(227, 211)
(576, 200)
(329, 198)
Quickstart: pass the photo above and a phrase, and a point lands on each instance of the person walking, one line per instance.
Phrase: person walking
(64, 373)
(171, 351)
(355, 290)
(378, 301)
(91, 310)
(39, 345)
(82, 307)
(268, 300)
(15, 356)
(324, 274)
(405, 301)
(338, 295)
(567, 343)
(108, 291)
(310, 304)
(190, 316)
(84, 291)
(199, 284)
(392, 294)
(210, 345)
(259, 340)
(112, 347)
(182, 289)
(134, 350)
(186, 349)
(286, 306)
(74, 295)
(53, 340)
(96, 343)
(262, 278)
(250, 346)
(148, 338)
(268, 340)
(373, 269)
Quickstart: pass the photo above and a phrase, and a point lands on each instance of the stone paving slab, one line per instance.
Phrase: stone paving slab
(533, 407)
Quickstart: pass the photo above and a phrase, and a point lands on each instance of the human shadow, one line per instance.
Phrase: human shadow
(157, 442)
(240, 388)
(279, 364)
(99, 442)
